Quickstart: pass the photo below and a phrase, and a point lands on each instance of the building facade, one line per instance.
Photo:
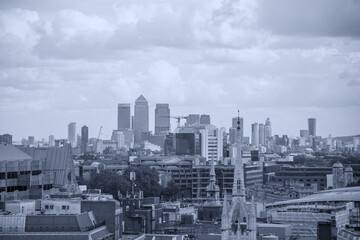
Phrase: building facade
(124, 115)
(162, 119)
(141, 118)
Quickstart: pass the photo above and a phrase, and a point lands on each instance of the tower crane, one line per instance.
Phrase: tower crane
(178, 118)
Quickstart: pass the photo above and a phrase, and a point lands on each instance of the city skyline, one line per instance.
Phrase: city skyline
(216, 57)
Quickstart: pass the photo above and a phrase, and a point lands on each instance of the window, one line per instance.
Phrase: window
(51, 206)
(46, 206)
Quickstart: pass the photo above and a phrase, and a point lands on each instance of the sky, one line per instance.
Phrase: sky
(74, 61)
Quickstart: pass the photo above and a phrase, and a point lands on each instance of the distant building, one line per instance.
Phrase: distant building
(312, 127)
(31, 141)
(51, 141)
(205, 119)
(72, 134)
(123, 118)
(84, 138)
(261, 134)
(255, 134)
(232, 130)
(188, 144)
(162, 119)
(304, 133)
(192, 120)
(341, 176)
(268, 131)
(141, 118)
(6, 138)
(212, 142)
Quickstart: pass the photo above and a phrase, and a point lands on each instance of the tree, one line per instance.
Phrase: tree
(147, 180)
(170, 191)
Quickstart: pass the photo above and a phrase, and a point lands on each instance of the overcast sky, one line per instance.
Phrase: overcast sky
(64, 61)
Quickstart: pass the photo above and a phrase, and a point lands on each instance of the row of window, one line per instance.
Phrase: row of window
(14, 175)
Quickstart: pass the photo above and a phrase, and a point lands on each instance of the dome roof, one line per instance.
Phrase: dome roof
(337, 165)
(348, 169)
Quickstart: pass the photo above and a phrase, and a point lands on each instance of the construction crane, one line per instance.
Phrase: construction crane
(178, 118)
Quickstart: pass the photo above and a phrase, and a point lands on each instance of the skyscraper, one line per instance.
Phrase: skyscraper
(162, 119)
(192, 120)
(72, 134)
(254, 134)
(261, 134)
(51, 141)
(123, 115)
(312, 126)
(233, 130)
(84, 138)
(141, 118)
(268, 130)
(205, 119)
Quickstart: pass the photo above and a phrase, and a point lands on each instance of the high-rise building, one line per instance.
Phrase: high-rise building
(261, 134)
(123, 116)
(205, 119)
(268, 131)
(51, 141)
(141, 118)
(72, 134)
(212, 142)
(304, 133)
(31, 141)
(84, 138)
(233, 130)
(254, 134)
(312, 126)
(192, 120)
(6, 138)
(162, 119)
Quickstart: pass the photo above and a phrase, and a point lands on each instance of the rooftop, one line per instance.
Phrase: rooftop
(12, 153)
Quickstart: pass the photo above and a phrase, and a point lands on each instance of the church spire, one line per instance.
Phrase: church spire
(238, 185)
(212, 190)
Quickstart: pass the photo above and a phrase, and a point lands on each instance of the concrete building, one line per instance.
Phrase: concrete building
(312, 127)
(123, 119)
(6, 138)
(31, 141)
(141, 118)
(304, 133)
(212, 142)
(72, 134)
(205, 119)
(341, 176)
(84, 138)
(162, 119)
(254, 134)
(268, 131)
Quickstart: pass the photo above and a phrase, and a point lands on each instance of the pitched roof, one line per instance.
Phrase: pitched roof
(141, 98)
(11, 153)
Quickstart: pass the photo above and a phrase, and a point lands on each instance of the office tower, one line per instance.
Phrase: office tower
(141, 118)
(304, 133)
(31, 141)
(268, 130)
(51, 141)
(261, 134)
(162, 119)
(233, 130)
(187, 143)
(84, 138)
(192, 120)
(72, 134)
(312, 126)
(123, 116)
(254, 134)
(212, 142)
(6, 138)
(205, 119)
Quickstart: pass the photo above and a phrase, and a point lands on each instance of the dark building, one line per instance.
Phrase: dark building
(312, 127)
(162, 119)
(205, 119)
(123, 116)
(84, 138)
(187, 144)
(6, 138)
(169, 145)
(305, 175)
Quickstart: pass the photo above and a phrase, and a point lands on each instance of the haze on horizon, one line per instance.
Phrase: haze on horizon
(74, 61)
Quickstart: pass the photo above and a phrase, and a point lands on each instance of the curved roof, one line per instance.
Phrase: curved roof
(348, 169)
(350, 194)
(337, 165)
